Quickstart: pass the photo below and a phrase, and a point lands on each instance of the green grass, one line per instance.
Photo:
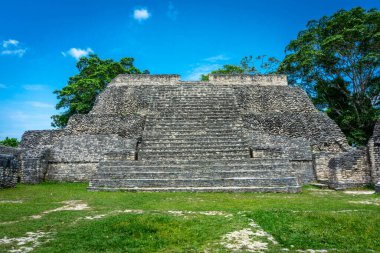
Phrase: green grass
(314, 219)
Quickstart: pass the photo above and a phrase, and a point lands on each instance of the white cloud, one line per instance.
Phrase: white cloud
(10, 42)
(34, 87)
(172, 12)
(18, 52)
(220, 57)
(77, 53)
(141, 14)
(202, 69)
(11, 47)
(38, 104)
(3, 86)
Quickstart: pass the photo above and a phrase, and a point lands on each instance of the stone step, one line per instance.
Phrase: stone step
(229, 118)
(106, 168)
(198, 111)
(192, 127)
(190, 149)
(193, 93)
(185, 143)
(205, 122)
(200, 115)
(188, 137)
(195, 101)
(196, 104)
(201, 182)
(187, 146)
(192, 174)
(193, 140)
(202, 151)
(186, 157)
(192, 132)
(197, 162)
(284, 189)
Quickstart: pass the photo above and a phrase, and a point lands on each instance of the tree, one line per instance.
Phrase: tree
(336, 60)
(10, 142)
(248, 66)
(78, 96)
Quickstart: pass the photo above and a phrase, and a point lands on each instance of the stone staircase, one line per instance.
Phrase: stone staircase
(193, 141)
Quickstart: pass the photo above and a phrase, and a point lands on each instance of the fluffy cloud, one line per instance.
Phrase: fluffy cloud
(200, 70)
(206, 66)
(141, 14)
(220, 57)
(77, 53)
(11, 47)
(10, 42)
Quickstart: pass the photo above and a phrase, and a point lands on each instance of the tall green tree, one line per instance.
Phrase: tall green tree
(336, 60)
(79, 95)
(248, 65)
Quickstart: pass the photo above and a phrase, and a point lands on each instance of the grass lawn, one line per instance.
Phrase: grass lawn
(53, 217)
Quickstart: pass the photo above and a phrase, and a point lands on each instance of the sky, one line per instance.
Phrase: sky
(41, 41)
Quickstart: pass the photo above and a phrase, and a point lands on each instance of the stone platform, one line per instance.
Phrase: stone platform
(233, 133)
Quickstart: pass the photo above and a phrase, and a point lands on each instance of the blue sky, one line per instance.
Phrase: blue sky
(40, 42)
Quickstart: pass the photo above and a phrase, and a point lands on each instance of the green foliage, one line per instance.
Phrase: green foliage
(79, 95)
(248, 66)
(10, 142)
(337, 61)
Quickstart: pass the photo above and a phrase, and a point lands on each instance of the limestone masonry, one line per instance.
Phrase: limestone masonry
(232, 133)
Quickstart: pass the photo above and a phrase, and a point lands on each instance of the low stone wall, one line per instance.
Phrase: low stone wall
(374, 153)
(8, 171)
(264, 99)
(122, 100)
(126, 126)
(350, 169)
(322, 133)
(33, 160)
(75, 157)
(5, 150)
(321, 162)
(297, 150)
(8, 166)
(260, 80)
(128, 80)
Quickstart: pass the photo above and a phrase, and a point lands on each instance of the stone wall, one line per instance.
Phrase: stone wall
(122, 100)
(128, 80)
(75, 157)
(260, 80)
(130, 126)
(297, 150)
(33, 160)
(374, 153)
(350, 169)
(8, 166)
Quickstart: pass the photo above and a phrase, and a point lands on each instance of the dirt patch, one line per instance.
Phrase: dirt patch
(70, 205)
(11, 201)
(375, 202)
(207, 213)
(27, 243)
(359, 192)
(252, 239)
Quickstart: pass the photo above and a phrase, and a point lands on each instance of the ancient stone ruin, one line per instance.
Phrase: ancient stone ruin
(232, 133)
